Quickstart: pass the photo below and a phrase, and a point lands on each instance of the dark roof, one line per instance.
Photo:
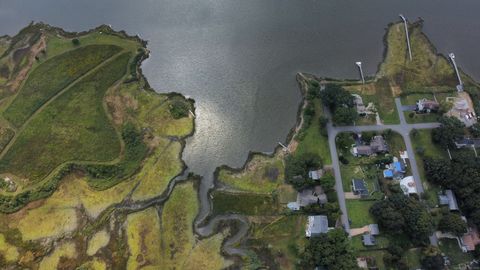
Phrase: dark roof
(467, 142)
(359, 184)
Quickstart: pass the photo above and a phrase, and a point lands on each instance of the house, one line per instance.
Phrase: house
(359, 187)
(467, 142)
(408, 186)
(359, 106)
(362, 150)
(316, 174)
(368, 240)
(311, 196)
(373, 229)
(426, 106)
(396, 170)
(293, 206)
(470, 240)
(448, 199)
(377, 146)
(316, 225)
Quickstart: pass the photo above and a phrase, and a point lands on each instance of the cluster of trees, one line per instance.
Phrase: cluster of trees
(340, 103)
(179, 109)
(462, 175)
(452, 223)
(297, 168)
(451, 128)
(432, 259)
(331, 250)
(403, 214)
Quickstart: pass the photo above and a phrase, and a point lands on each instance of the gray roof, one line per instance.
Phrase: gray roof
(443, 199)
(315, 174)
(378, 144)
(368, 240)
(452, 200)
(373, 228)
(364, 150)
(311, 195)
(318, 224)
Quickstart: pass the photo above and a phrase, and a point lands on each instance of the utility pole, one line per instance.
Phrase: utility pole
(460, 83)
(408, 37)
(359, 65)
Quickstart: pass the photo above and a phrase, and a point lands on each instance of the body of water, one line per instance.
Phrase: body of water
(238, 59)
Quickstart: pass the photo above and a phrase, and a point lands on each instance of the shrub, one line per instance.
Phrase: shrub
(179, 109)
(75, 42)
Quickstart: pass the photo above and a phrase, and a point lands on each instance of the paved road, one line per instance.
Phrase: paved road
(403, 129)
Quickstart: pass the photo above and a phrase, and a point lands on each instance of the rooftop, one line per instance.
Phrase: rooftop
(316, 225)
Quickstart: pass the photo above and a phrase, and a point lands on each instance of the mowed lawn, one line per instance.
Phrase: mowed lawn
(73, 127)
(52, 76)
(358, 212)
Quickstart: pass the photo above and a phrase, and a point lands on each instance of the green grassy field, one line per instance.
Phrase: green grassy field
(313, 141)
(6, 135)
(67, 130)
(426, 70)
(244, 203)
(358, 212)
(262, 174)
(52, 76)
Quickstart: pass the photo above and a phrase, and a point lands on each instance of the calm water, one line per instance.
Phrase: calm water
(238, 59)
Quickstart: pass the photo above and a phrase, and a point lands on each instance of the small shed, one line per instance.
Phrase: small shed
(368, 240)
(373, 229)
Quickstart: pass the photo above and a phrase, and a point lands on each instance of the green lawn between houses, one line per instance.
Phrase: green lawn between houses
(358, 212)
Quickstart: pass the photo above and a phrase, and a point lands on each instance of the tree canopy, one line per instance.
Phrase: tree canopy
(331, 250)
(402, 214)
(462, 175)
(452, 223)
(451, 128)
(340, 103)
(298, 166)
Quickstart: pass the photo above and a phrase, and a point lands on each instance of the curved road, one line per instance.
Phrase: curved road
(403, 128)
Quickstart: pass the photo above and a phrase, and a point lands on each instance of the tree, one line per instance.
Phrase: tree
(327, 182)
(432, 259)
(298, 166)
(75, 42)
(331, 250)
(475, 130)
(451, 128)
(334, 96)
(344, 115)
(400, 213)
(452, 223)
(179, 109)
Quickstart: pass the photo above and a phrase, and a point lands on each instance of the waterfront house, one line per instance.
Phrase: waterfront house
(427, 106)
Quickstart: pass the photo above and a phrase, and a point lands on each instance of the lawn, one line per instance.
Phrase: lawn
(412, 258)
(358, 212)
(453, 252)
(357, 244)
(313, 141)
(73, 127)
(52, 76)
(377, 255)
(381, 95)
